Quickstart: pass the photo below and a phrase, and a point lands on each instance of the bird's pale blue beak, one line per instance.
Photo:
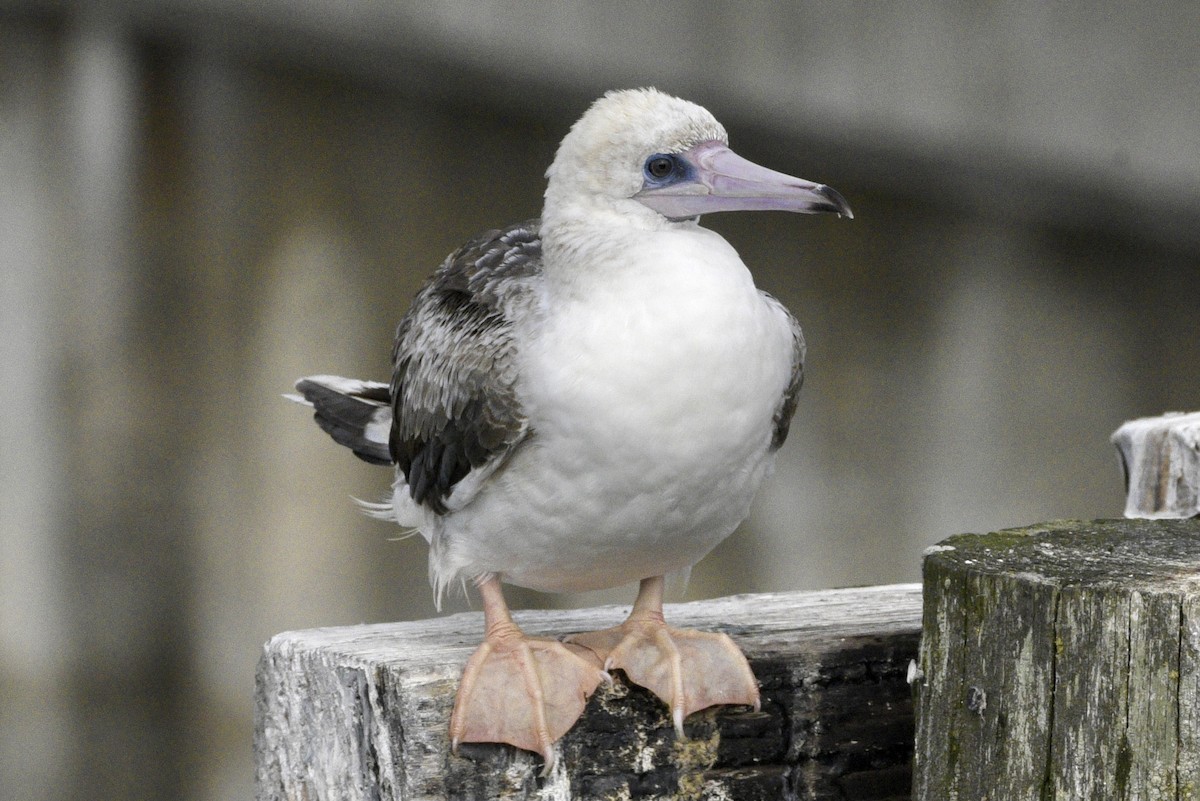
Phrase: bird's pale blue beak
(714, 178)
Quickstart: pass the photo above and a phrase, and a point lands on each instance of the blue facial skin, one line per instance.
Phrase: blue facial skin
(655, 174)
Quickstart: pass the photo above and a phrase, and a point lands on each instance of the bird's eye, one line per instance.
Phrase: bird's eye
(660, 166)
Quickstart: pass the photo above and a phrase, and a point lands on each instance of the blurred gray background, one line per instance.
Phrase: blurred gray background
(201, 201)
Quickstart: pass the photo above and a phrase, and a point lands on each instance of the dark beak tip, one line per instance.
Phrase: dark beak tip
(837, 203)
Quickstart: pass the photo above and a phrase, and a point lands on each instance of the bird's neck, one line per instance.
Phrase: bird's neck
(579, 234)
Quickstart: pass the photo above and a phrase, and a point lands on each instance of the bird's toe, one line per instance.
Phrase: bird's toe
(689, 670)
(524, 691)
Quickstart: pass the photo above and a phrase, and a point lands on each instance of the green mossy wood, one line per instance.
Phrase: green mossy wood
(1061, 661)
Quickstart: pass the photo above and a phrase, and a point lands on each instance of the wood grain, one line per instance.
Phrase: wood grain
(1161, 460)
(1060, 662)
(362, 712)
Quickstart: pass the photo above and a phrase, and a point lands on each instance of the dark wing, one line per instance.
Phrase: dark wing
(787, 404)
(454, 403)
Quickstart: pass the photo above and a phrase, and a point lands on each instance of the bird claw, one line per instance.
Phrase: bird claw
(549, 759)
(549, 756)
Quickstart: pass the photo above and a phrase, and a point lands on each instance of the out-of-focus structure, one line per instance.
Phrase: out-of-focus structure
(201, 201)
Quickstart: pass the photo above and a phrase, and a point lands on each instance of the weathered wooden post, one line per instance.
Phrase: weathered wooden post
(1062, 661)
(1161, 459)
(362, 712)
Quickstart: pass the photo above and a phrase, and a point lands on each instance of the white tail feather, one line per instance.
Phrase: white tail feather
(379, 511)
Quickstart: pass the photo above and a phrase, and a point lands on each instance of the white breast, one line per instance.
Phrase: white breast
(651, 389)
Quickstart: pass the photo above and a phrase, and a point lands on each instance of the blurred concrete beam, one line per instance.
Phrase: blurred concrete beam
(124, 544)
(35, 718)
(1024, 109)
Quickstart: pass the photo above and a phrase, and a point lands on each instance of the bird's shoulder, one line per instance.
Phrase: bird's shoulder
(487, 267)
(456, 412)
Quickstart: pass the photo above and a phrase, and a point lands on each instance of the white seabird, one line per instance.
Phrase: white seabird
(589, 400)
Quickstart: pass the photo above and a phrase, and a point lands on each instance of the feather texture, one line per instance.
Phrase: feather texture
(455, 407)
(593, 397)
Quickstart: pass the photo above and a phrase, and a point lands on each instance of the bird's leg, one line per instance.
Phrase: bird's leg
(689, 670)
(517, 689)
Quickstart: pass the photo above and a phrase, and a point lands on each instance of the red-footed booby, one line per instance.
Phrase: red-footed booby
(588, 400)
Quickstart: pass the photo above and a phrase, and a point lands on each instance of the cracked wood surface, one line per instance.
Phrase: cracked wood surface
(362, 712)
(1062, 661)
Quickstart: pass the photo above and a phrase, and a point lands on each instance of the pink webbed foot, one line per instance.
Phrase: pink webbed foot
(688, 670)
(522, 690)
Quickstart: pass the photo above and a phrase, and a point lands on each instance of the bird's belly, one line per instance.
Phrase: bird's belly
(571, 533)
(650, 442)
(574, 514)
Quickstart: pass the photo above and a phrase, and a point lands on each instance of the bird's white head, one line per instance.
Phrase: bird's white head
(652, 160)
